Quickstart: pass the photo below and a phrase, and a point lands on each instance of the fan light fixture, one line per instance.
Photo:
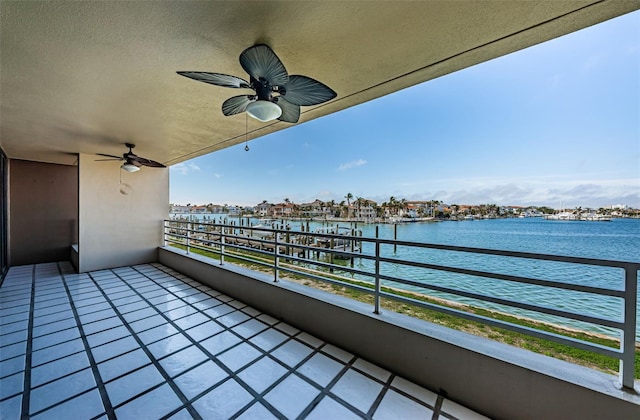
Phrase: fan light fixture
(263, 110)
(130, 167)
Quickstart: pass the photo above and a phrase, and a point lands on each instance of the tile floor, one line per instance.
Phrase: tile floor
(147, 342)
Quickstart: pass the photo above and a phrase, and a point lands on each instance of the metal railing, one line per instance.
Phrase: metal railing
(471, 278)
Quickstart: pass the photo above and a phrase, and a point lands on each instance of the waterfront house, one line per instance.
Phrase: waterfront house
(82, 78)
(263, 209)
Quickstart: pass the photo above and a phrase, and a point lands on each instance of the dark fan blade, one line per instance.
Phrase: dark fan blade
(217, 79)
(261, 62)
(290, 112)
(147, 162)
(110, 156)
(303, 90)
(236, 104)
(105, 160)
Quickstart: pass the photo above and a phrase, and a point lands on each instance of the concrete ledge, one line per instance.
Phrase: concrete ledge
(497, 380)
(74, 257)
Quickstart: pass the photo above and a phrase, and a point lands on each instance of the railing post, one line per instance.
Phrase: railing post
(222, 236)
(164, 232)
(376, 296)
(275, 259)
(628, 341)
(188, 235)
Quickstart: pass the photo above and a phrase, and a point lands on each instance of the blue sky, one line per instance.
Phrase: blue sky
(557, 124)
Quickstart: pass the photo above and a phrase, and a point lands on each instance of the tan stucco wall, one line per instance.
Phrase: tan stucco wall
(117, 229)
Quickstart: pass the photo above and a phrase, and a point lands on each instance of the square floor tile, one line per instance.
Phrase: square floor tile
(11, 366)
(85, 406)
(207, 303)
(11, 385)
(107, 336)
(139, 314)
(357, 390)
(122, 364)
(328, 408)
(58, 368)
(219, 311)
(11, 408)
(14, 337)
(157, 333)
(152, 405)
(321, 369)
(101, 325)
(147, 323)
(53, 327)
(204, 331)
(459, 411)
(191, 320)
(55, 352)
(182, 360)
(292, 352)
(114, 348)
(267, 319)
(415, 391)
(55, 338)
(13, 327)
(9, 319)
(180, 312)
(394, 406)
(233, 318)
(310, 340)
(200, 378)
(133, 384)
(268, 339)
(90, 302)
(55, 392)
(223, 401)
(93, 308)
(262, 374)
(338, 353)
(249, 328)
(220, 342)
(125, 308)
(373, 370)
(257, 412)
(168, 345)
(239, 356)
(13, 350)
(97, 316)
(287, 329)
(182, 415)
(281, 396)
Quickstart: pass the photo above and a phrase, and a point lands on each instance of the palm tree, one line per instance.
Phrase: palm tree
(349, 196)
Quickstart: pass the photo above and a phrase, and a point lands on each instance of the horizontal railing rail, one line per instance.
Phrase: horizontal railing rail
(315, 255)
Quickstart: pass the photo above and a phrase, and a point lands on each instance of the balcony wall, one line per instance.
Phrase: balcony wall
(494, 379)
(43, 209)
(120, 214)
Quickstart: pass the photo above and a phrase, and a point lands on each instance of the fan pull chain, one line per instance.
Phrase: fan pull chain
(246, 128)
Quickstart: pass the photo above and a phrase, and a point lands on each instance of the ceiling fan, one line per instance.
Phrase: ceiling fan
(132, 162)
(268, 76)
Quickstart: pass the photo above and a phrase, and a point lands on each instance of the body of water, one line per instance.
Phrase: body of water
(616, 240)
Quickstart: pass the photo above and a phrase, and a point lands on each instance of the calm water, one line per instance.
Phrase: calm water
(616, 240)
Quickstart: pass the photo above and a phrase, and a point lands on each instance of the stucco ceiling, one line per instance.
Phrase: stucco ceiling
(86, 77)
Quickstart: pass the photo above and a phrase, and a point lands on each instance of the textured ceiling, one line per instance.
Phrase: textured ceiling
(86, 77)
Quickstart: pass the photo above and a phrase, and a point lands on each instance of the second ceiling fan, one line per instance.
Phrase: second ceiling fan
(278, 95)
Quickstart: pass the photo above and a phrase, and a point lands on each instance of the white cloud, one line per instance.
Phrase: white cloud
(217, 175)
(185, 168)
(352, 164)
